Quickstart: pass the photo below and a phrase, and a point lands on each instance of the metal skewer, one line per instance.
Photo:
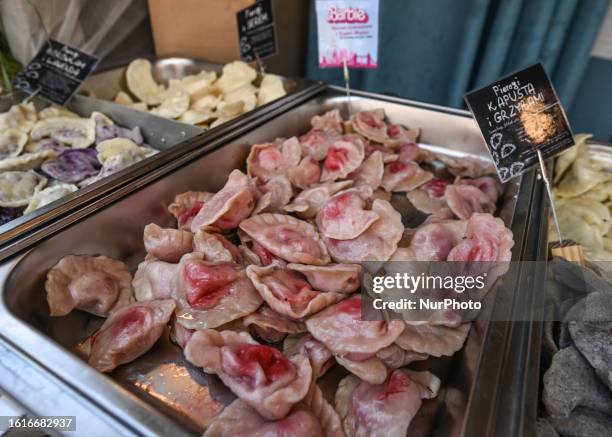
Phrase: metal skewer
(550, 196)
(347, 85)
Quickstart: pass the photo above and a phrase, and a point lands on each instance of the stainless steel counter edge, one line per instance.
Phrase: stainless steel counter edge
(54, 396)
(532, 366)
(501, 385)
(515, 398)
(45, 224)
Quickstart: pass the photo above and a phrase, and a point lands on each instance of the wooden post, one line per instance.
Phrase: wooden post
(568, 250)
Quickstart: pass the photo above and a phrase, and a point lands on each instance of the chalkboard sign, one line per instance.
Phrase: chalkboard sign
(56, 72)
(256, 32)
(519, 115)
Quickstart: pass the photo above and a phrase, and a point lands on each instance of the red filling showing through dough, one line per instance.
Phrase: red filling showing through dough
(129, 322)
(336, 158)
(207, 284)
(189, 213)
(272, 362)
(436, 187)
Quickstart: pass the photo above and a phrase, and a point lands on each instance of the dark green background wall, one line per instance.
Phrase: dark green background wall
(591, 110)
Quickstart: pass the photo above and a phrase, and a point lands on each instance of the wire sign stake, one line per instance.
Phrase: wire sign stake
(550, 195)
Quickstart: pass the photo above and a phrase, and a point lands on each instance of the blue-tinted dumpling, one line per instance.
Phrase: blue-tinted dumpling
(73, 165)
(8, 214)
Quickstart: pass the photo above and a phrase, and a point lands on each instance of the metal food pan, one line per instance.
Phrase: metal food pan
(142, 395)
(159, 134)
(174, 140)
(106, 84)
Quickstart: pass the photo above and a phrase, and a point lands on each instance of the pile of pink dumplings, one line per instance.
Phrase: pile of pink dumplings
(260, 281)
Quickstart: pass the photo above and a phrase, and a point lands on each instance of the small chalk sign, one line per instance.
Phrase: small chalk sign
(256, 31)
(56, 72)
(517, 116)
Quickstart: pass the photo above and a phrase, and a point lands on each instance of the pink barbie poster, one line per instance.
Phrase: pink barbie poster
(348, 30)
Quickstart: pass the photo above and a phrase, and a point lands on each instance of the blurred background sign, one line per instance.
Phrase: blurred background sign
(347, 32)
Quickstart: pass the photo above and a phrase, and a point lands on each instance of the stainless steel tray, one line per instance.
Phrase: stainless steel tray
(159, 134)
(174, 140)
(106, 84)
(136, 395)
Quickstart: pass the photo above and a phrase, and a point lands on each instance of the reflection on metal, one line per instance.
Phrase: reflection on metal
(28, 391)
(549, 193)
(175, 140)
(164, 374)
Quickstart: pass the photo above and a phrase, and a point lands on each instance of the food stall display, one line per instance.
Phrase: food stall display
(576, 384)
(205, 98)
(575, 394)
(295, 273)
(55, 156)
(194, 239)
(583, 195)
(291, 208)
(127, 162)
(50, 153)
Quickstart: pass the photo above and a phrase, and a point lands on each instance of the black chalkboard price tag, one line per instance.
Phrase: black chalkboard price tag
(519, 115)
(256, 31)
(56, 72)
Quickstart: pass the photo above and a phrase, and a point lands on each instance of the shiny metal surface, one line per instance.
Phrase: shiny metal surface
(174, 140)
(29, 391)
(139, 395)
(159, 134)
